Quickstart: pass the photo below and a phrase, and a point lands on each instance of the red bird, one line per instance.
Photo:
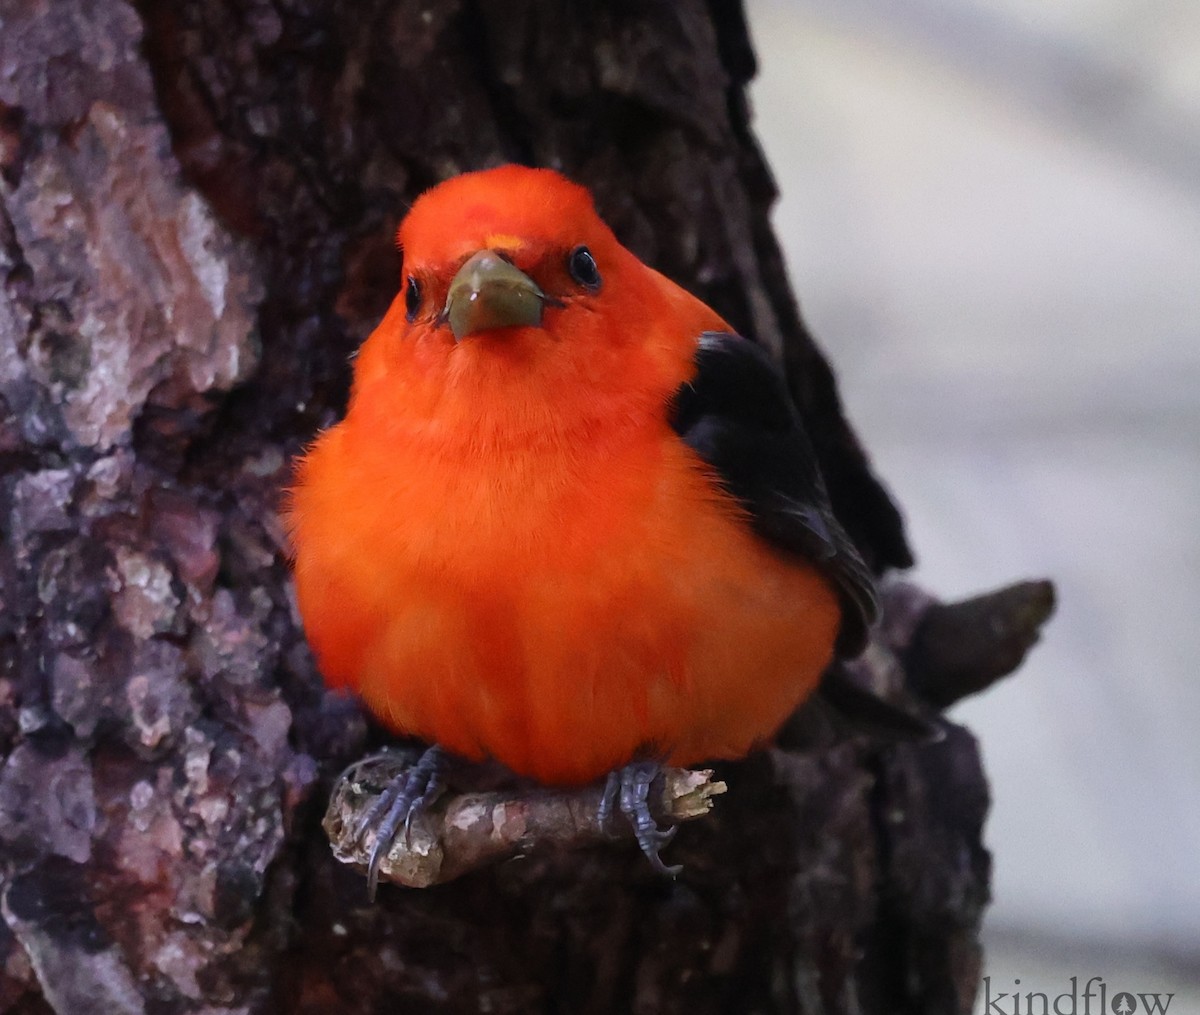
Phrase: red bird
(570, 522)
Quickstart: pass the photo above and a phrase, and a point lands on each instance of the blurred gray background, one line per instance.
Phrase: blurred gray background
(991, 212)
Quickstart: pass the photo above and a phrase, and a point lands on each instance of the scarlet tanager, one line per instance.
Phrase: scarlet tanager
(571, 522)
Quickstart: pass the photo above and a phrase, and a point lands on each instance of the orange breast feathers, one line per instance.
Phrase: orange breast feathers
(505, 547)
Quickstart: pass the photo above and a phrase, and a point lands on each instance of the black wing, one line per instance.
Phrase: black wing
(737, 415)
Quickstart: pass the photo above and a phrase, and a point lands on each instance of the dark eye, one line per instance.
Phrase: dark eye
(582, 267)
(412, 298)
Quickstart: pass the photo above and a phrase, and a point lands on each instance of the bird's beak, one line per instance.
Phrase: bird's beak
(488, 292)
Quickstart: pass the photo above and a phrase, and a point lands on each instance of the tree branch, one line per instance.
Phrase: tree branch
(463, 831)
(959, 649)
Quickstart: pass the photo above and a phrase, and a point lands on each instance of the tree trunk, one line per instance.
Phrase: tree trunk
(197, 203)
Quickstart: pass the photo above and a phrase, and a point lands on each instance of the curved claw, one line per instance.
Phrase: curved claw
(406, 796)
(629, 789)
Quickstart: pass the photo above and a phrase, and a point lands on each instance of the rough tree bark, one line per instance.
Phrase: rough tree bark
(196, 209)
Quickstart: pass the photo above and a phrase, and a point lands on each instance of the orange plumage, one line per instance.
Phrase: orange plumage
(506, 549)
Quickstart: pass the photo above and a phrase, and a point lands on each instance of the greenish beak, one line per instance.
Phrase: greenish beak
(489, 292)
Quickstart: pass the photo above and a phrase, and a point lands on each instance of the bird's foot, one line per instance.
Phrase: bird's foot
(408, 794)
(628, 789)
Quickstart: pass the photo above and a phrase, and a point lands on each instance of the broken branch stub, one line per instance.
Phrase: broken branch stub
(463, 831)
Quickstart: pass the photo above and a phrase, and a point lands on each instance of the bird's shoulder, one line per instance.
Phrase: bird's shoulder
(736, 414)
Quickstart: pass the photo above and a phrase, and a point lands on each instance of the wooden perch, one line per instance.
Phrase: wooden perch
(464, 831)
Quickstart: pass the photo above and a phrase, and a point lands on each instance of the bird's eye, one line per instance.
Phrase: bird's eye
(582, 267)
(412, 298)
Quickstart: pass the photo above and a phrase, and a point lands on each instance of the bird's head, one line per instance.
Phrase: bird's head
(513, 286)
(488, 254)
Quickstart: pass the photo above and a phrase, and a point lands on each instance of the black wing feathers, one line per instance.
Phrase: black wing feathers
(737, 415)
